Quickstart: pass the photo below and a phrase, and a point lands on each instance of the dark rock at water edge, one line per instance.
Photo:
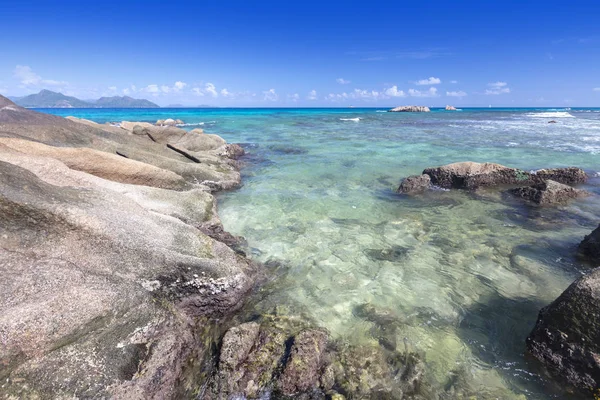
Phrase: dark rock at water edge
(566, 337)
(471, 175)
(415, 184)
(590, 246)
(548, 192)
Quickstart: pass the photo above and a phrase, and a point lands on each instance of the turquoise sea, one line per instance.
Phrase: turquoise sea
(463, 275)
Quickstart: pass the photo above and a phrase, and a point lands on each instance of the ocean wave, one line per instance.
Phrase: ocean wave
(554, 114)
(350, 119)
(196, 124)
(381, 111)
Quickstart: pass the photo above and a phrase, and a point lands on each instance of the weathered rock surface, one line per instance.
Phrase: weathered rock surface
(410, 109)
(590, 246)
(108, 279)
(567, 176)
(450, 108)
(566, 337)
(415, 184)
(254, 363)
(471, 175)
(548, 192)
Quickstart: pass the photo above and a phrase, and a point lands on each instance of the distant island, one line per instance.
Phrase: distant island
(50, 99)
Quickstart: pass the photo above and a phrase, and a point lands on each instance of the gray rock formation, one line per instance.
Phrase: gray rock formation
(414, 184)
(471, 175)
(109, 278)
(567, 176)
(566, 337)
(548, 192)
(590, 246)
(410, 109)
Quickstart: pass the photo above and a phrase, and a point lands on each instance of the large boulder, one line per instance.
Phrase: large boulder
(410, 109)
(567, 176)
(471, 175)
(548, 192)
(414, 184)
(566, 337)
(590, 246)
(450, 108)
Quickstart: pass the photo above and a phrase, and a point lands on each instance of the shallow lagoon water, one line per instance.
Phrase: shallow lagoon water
(463, 275)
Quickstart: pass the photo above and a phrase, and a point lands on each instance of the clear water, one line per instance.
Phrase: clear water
(464, 275)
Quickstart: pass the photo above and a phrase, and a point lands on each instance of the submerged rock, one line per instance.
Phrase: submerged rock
(590, 246)
(410, 109)
(548, 192)
(415, 184)
(313, 366)
(566, 337)
(471, 175)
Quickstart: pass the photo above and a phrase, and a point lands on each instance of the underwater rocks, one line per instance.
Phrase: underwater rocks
(566, 337)
(287, 357)
(410, 109)
(548, 192)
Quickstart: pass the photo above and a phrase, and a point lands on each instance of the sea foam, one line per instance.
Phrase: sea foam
(555, 114)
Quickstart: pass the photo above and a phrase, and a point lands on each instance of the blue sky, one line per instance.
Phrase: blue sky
(466, 53)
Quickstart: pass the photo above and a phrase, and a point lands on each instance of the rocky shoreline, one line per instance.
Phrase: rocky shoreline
(120, 281)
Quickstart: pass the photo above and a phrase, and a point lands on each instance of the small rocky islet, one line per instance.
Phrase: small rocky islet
(565, 339)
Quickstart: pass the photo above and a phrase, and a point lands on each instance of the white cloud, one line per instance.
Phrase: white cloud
(342, 81)
(270, 95)
(209, 88)
(131, 89)
(165, 89)
(294, 97)
(364, 94)
(458, 93)
(197, 91)
(312, 95)
(226, 93)
(596, 89)
(151, 89)
(394, 92)
(112, 88)
(429, 81)
(453, 81)
(27, 77)
(432, 92)
(497, 88)
(179, 86)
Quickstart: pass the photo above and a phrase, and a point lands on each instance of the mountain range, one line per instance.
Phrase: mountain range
(50, 99)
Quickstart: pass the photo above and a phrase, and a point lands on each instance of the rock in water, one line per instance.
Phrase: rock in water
(566, 337)
(590, 246)
(450, 108)
(548, 192)
(415, 184)
(471, 175)
(410, 109)
(301, 372)
(568, 176)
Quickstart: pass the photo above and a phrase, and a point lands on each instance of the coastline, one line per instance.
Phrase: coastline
(113, 254)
